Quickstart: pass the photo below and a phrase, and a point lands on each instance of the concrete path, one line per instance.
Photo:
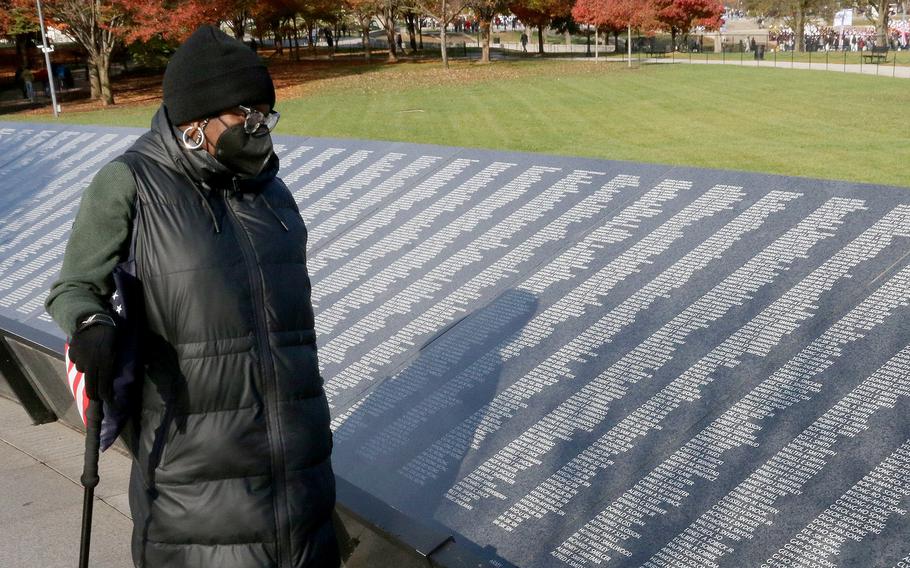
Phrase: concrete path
(41, 497)
(884, 70)
(41, 503)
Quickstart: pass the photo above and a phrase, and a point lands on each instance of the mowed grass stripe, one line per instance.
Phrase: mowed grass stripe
(792, 122)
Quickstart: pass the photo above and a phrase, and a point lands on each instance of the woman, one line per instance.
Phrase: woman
(232, 443)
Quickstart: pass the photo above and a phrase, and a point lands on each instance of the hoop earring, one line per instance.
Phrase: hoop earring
(195, 142)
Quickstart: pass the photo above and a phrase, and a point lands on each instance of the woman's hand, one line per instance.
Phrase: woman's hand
(93, 350)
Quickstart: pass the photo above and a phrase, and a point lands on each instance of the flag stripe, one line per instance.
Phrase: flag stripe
(76, 383)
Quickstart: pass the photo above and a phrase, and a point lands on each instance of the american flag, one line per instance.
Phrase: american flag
(76, 380)
(117, 413)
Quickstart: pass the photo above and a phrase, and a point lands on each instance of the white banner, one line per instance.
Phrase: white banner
(843, 18)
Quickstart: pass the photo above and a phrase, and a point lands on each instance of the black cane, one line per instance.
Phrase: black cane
(93, 417)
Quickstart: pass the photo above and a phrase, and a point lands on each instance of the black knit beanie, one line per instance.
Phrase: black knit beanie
(212, 72)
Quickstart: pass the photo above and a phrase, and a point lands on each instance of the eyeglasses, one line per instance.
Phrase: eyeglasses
(254, 119)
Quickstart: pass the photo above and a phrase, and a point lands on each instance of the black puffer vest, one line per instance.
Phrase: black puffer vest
(232, 451)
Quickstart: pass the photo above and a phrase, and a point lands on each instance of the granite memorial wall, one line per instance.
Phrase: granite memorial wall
(568, 362)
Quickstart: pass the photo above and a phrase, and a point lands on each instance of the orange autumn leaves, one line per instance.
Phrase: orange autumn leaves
(677, 16)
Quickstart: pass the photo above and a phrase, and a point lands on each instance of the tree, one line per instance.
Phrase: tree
(880, 9)
(540, 13)
(332, 19)
(616, 15)
(312, 12)
(16, 19)
(387, 15)
(444, 12)
(363, 12)
(169, 19)
(18, 24)
(486, 10)
(679, 16)
(235, 13)
(97, 26)
(412, 21)
(612, 15)
(271, 16)
(794, 12)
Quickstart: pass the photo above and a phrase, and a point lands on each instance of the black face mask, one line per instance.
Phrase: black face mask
(243, 153)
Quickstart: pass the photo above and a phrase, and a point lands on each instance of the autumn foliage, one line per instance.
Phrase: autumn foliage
(680, 16)
(675, 16)
(540, 13)
(100, 26)
(174, 21)
(616, 15)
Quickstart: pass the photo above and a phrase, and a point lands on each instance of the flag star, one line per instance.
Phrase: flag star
(115, 296)
(118, 308)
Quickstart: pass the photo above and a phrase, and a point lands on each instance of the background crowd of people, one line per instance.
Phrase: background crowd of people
(843, 38)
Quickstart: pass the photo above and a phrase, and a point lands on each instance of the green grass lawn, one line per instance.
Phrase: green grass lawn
(792, 122)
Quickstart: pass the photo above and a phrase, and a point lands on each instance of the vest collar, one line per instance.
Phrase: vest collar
(206, 181)
(209, 176)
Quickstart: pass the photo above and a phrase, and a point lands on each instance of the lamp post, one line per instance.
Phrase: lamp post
(47, 60)
(596, 42)
(629, 46)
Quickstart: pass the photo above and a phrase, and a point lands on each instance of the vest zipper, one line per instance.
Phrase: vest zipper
(273, 426)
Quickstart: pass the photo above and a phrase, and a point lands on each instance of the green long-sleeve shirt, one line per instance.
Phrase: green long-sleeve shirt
(100, 238)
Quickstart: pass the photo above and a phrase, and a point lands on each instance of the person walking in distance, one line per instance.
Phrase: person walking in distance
(231, 443)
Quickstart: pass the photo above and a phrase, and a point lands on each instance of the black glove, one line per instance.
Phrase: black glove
(93, 350)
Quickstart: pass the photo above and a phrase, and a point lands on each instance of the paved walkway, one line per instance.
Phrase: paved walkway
(884, 70)
(41, 497)
(41, 503)
(877, 70)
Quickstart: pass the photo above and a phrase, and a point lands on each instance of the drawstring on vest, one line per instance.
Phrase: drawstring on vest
(205, 201)
(267, 204)
(208, 206)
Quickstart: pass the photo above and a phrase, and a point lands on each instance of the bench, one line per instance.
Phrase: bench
(878, 54)
(657, 52)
